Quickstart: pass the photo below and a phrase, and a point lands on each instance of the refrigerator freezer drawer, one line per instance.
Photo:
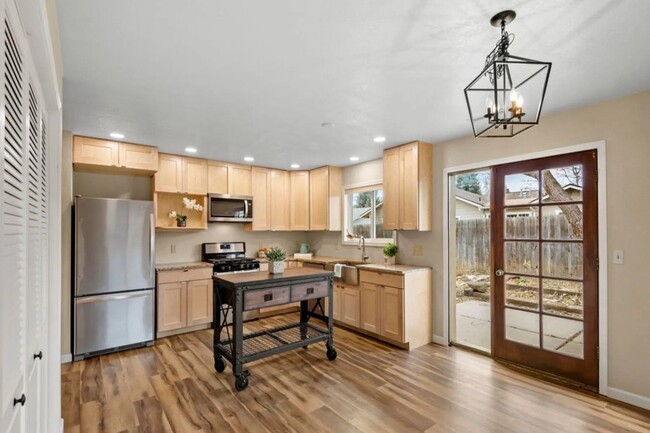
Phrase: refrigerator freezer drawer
(111, 321)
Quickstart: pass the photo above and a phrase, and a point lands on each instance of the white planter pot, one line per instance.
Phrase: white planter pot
(276, 267)
(389, 260)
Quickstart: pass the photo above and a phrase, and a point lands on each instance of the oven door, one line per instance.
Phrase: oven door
(230, 208)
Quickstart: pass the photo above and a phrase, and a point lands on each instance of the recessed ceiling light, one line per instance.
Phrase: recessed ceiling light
(249, 159)
(327, 125)
(295, 165)
(379, 139)
(117, 135)
(354, 158)
(190, 149)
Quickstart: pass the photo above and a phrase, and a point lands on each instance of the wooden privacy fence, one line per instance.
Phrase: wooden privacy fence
(558, 259)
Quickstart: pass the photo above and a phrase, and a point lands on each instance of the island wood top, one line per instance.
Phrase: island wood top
(263, 277)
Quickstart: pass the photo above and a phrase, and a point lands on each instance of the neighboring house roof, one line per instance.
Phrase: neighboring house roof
(363, 212)
(477, 200)
(567, 187)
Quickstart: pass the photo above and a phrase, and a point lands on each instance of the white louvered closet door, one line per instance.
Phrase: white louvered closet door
(23, 237)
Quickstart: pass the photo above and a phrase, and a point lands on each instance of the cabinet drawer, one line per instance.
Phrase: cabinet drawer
(266, 297)
(382, 278)
(301, 292)
(184, 275)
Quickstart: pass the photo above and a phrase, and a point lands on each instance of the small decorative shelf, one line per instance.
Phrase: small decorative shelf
(165, 202)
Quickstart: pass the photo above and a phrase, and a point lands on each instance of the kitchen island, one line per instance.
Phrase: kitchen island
(236, 293)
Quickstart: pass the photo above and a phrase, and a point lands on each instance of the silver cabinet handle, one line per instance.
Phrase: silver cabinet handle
(499, 273)
(152, 245)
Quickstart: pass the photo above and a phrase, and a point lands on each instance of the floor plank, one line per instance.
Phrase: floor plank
(172, 387)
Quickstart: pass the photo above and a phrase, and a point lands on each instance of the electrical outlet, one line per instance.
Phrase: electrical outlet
(173, 249)
(417, 250)
(617, 257)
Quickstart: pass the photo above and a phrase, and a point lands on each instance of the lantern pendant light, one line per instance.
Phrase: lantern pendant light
(506, 98)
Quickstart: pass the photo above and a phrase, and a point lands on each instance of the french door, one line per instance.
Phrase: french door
(545, 265)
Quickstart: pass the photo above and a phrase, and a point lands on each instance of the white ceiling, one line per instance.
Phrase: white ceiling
(258, 77)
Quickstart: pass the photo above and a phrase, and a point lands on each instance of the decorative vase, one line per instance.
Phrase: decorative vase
(181, 223)
(389, 260)
(276, 267)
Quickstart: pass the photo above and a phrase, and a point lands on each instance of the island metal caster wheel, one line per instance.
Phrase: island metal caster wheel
(331, 353)
(241, 382)
(220, 365)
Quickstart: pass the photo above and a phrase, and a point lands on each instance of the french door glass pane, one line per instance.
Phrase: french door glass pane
(562, 222)
(522, 258)
(522, 190)
(522, 292)
(563, 336)
(522, 327)
(562, 260)
(563, 298)
(562, 184)
(521, 224)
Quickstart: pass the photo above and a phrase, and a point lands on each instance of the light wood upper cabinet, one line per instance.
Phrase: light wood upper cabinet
(261, 183)
(408, 178)
(169, 177)
(195, 176)
(279, 200)
(217, 177)
(325, 198)
(299, 217)
(233, 179)
(93, 154)
(92, 151)
(138, 157)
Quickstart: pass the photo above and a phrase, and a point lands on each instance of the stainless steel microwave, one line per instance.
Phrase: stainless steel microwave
(230, 208)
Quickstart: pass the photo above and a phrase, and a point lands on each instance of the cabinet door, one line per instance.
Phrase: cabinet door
(391, 186)
(279, 202)
(217, 177)
(299, 200)
(260, 189)
(169, 177)
(199, 302)
(93, 151)
(172, 306)
(391, 305)
(318, 198)
(350, 309)
(336, 303)
(239, 180)
(195, 176)
(409, 188)
(138, 157)
(370, 307)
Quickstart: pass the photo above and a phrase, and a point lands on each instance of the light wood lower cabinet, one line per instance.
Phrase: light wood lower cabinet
(184, 300)
(370, 307)
(391, 311)
(349, 306)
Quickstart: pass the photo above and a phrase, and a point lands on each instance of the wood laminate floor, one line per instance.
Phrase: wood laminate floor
(370, 387)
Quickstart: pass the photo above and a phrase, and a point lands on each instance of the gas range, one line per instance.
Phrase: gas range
(228, 258)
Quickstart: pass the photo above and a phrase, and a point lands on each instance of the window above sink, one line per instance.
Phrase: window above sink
(364, 215)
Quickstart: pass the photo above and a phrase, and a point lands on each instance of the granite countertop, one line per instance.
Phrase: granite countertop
(181, 266)
(392, 269)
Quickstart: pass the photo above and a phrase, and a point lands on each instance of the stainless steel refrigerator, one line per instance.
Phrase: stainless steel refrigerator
(114, 294)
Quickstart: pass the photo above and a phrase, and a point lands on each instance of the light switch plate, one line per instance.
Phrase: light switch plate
(617, 257)
(173, 249)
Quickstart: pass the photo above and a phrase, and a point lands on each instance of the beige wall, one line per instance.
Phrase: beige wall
(66, 234)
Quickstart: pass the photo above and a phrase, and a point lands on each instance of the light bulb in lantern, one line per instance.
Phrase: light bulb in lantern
(513, 95)
(489, 103)
(520, 101)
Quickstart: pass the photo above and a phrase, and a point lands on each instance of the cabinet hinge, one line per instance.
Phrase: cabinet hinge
(598, 352)
(598, 263)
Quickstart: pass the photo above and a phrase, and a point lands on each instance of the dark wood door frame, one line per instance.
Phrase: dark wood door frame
(584, 370)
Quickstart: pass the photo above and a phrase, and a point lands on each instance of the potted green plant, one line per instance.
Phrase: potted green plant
(276, 256)
(390, 251)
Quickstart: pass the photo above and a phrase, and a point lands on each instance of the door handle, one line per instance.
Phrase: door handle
(38, 355)
(499, 273)
(20, 400)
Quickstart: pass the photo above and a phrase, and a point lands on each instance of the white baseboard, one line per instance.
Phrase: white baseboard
(61, 425)
(66, 357)
(438, 339)
(628, 397)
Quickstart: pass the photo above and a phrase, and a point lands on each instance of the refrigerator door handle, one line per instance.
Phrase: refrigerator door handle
(112, 297)
(152, 246)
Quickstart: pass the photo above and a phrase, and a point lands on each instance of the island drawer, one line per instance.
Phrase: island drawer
(304, 291)
(266, 297)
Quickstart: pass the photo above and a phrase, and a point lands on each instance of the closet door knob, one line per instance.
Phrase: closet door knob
(38, 355)
(20, 400)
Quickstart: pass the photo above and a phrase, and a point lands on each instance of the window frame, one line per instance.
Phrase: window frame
(348, 191)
